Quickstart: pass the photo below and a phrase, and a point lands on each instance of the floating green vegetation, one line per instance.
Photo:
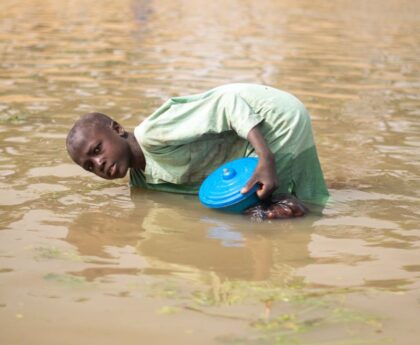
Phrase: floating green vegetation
(53, 196)
(236, 292)
(288, 322)
(168, 310)
(13, 118)
(47, 253)
(286, 327)
(165, 289)
(66, 279)
(286, 314)
(341, 314)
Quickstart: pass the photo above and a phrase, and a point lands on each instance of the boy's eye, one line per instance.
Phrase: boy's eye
(97, 149)
(88, 166)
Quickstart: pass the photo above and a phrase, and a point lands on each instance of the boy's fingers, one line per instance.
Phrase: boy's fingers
(251, 182)
(263, 193)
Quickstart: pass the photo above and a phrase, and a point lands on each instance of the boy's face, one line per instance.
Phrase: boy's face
(102, 150)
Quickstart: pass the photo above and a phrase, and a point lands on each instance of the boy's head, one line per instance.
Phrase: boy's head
(99, 145)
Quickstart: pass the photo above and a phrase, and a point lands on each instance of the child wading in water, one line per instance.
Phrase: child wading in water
(187, 138)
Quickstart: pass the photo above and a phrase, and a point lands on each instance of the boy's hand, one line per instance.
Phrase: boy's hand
(265, 175)
(265, 172)
(279, 207)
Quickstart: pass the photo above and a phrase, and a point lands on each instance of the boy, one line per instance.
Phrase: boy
(187, 138)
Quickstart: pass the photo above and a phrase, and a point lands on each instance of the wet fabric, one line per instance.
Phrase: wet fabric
(188, 137)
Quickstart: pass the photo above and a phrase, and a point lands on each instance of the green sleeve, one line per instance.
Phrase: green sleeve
(185, 121)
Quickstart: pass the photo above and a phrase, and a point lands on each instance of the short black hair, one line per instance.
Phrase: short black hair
(88, 120)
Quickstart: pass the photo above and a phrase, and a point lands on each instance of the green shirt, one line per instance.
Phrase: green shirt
(188, 137)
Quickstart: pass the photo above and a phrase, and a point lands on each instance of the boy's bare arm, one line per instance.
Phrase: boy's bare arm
(265, 173)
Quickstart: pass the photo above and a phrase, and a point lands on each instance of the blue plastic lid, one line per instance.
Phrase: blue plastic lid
(222, 188)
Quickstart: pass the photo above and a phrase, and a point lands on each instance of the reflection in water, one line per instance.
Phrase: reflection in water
(93, 232)
(353, 63)
(168, 236)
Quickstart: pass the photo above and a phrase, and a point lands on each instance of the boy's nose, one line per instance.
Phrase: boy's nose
(100, 163)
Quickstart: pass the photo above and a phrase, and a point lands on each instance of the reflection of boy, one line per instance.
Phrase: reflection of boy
(185, 139)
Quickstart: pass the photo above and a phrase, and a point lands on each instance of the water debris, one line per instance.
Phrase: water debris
(168, 310)
(12, 117)
(66, 279)
(47, 253)
(288, 314)
(216, 313)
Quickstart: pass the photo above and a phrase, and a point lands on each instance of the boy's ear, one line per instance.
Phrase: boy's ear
(118, 128)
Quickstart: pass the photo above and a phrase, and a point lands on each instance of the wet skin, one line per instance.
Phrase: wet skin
(279, 207)
(105, 151)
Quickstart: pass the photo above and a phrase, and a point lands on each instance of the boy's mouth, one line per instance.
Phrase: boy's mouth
(112, 171)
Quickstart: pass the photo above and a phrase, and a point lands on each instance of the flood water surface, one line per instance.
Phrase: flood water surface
(89, 261)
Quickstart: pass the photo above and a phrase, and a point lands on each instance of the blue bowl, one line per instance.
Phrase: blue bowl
(221, 189)
(241, 206)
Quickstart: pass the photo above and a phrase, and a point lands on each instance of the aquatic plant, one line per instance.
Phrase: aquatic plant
(288, 313)
(51, 252)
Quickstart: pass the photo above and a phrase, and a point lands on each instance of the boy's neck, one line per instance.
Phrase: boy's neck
(138, 160)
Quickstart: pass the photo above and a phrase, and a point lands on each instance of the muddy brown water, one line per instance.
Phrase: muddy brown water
(85, 261)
